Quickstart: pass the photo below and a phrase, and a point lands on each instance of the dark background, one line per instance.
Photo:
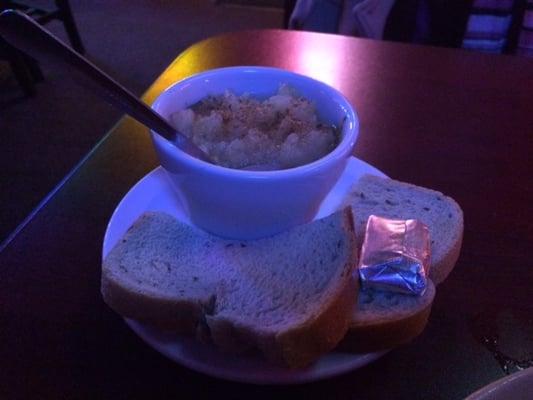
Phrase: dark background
(45, 136)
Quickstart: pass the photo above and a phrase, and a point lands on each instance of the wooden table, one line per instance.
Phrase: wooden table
(455, 121)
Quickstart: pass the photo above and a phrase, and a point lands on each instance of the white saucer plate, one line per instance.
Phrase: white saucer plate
(154, 193)
(517, 386)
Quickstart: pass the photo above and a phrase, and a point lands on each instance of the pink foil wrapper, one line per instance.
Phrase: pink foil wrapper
(395, 255)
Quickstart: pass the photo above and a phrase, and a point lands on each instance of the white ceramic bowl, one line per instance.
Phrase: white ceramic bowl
(243, 204)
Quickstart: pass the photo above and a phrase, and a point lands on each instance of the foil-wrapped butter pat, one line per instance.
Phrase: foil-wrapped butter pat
(395, 255)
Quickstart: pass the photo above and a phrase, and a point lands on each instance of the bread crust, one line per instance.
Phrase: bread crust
(388, 332)
(162, 313)
(295, 348)
(300, 346)
(440, 270)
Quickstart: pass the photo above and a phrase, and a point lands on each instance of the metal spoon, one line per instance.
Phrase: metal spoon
(28, 36)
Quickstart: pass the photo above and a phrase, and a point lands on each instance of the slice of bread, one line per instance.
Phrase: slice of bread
(398, 200)
(291, 295)
(384, 320)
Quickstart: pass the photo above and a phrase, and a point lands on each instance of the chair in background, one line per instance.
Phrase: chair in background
(499, 26)
(25, 68)
(363, 18)
(496, 26)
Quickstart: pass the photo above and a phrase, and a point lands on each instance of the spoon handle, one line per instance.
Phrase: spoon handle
(28, 36)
